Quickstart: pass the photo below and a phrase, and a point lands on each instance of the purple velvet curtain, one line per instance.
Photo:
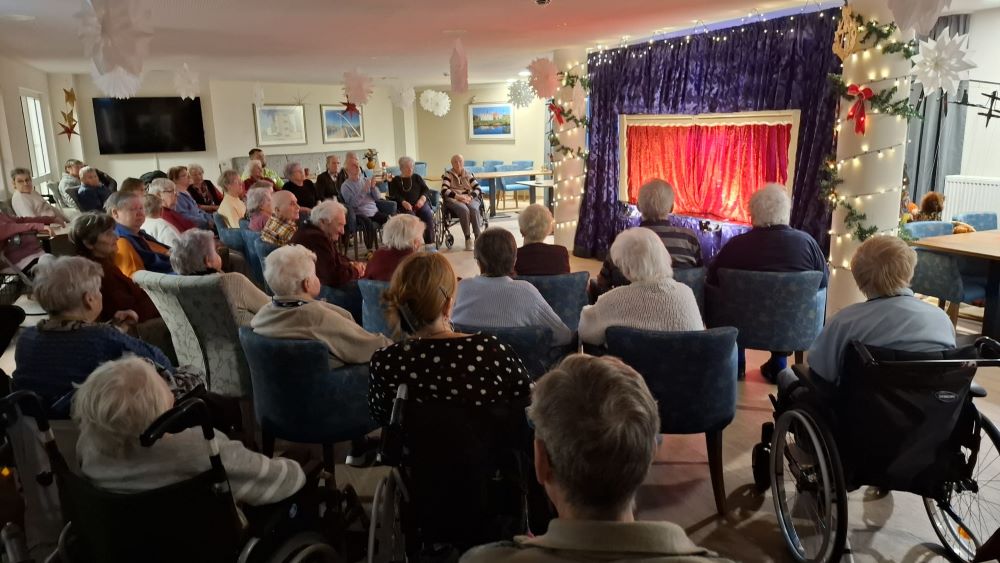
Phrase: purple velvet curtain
(777, 64)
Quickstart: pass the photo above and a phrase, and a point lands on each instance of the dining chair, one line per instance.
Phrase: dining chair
(978, 221)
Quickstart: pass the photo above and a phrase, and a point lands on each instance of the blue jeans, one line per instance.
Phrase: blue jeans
(427, 216)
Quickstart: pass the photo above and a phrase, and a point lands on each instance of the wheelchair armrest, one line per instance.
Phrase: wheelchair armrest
(988, 348)
(390, 450)
(189, 414)
(813, 381)
(30, 404)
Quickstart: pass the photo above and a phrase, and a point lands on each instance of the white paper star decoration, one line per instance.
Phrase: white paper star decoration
(519, 94)
(186, 82)
(357, 87)
(402, 96)
(258, 94)
(940, 63)
(918, 15)
(115, 36)
(435, 102)
(544, 78)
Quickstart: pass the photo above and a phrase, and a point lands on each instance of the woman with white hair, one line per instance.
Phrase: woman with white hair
(536, 257)
(232, 208)
(204, 192)
(259, 207)
(166, 191)
(652, 300)
(410, 193)
(771, 246)
(320, 235)
(303, 188)
(403, 235)
(196, 255)
(120, 400)
(254, 172)
(295, 313)
(891, 317)
(158, 227)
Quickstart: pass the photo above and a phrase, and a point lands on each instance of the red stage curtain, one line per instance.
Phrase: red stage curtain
(714, 169)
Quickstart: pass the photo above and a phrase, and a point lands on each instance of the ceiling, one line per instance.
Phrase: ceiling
(408, 40)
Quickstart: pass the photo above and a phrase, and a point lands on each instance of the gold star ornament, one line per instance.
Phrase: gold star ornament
(70, 96)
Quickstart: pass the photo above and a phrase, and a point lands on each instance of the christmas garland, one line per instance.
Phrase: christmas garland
(854, 220)
(881, 102)
(561, 114)
(882, 33)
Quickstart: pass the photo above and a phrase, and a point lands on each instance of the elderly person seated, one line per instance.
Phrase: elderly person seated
(320, 234)
(360, 195)
(155, 224)
(232, 208)
(186, 204)
(302, 187)
(93, 193)
(410, 193)
(260, 207)
(29, 203)
(652, 300)
(536, 258)
(403, 236)
(349, 157)
(120, 400)
(462, 197)
(254, 174)
(133, 185)
(596, 431)
(19, 241)
(169, 197)
(327, 184)
(771, 246)
(136, 249)
(891, 317)
(431, 359)
(266, 173)
(494, 300)
(281, 226)
(295, 313)
(656, 201)
(71, 179)
(202, 190)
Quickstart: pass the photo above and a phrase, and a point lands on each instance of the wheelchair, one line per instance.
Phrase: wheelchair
(194, 520)
(898, 421)
(453, 485)
(444, 221)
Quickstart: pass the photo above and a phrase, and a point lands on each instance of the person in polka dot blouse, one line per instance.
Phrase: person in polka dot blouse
(437, 363)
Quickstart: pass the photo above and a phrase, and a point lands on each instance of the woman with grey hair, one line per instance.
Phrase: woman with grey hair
(232, 208)
(204, 192)
(652, 300)
(410, 193)
(254, 172)
(196, 255)
(166, 191)
(536, 258)
(494, 300)
(320, 235)
(303, 188)
(403, 235)
(259, 207)
(771, 246)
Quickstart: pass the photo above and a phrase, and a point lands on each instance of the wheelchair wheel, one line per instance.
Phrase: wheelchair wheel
(306, 547)
(970, 512)
(807, 483)
(385, 534)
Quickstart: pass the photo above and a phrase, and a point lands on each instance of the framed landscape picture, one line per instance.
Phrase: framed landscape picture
(491, 122)
(280, 124)
(339, 127)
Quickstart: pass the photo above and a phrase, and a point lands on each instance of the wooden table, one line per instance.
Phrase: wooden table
(492, 177)
(984, 245)
(547, 185)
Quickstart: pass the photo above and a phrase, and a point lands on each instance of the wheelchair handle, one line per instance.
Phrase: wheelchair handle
(30, 404)
(402, 394)
(981, 343)
(191, 413)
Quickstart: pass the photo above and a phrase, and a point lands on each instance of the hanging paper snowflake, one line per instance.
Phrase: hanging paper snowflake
(459, 69)
(402, 96)
(520, 94)
(115, 36)
(357, 87)
(918, 15)
(435, 102)
(940, 63)
(186, 82)
(544, 78)
(258, 94)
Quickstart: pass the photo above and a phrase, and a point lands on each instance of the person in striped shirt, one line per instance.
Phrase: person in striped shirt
(462, 197)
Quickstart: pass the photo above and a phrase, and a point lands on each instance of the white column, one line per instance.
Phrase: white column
(569, 172)
(871, 166)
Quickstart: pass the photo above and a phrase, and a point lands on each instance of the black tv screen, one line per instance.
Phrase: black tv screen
(147, 125)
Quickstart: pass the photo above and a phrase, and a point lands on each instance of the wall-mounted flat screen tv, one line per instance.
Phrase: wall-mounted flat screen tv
(149, 125)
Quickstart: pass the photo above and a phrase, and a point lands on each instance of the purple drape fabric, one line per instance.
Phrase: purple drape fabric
(758, 67)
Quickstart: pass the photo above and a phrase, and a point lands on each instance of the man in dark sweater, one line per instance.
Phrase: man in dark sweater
(319, 234)
(328, 182)
(771, 246)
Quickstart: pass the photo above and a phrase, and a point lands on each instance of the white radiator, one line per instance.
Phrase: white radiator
(970, 194)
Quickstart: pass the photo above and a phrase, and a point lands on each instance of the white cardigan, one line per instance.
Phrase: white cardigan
(664, 306)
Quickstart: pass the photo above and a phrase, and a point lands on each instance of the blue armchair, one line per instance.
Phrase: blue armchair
(565, 293)
(373, 311)
(490, 165)
(692, 376)
(524, 164)
(230, 237)
(510, 184)
(299, 399)
(979, 221)
(952, 279)
(250, 240)
(471, 162)
(420, 168)
(778, 311)
(695, 279)
(532, 344)
(924, 229)
(347, 297)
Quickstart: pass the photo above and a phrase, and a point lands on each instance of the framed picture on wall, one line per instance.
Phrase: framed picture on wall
(491, 122)
(280, 124)
(340, 127)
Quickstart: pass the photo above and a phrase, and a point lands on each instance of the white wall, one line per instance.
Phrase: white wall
(979, 152)
(16, 76)
(438, 138)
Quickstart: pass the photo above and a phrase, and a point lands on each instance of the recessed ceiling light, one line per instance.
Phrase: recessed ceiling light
(524, 73)
(17, 17)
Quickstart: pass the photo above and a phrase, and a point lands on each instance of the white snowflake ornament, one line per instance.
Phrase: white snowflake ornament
(941, 62)
(402, 96)
(520, 94)
(186, 83)
(435, 102)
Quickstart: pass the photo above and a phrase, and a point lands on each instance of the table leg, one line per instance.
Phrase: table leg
(991, 316)
(549, 192)
(493, 197)
(531, 195)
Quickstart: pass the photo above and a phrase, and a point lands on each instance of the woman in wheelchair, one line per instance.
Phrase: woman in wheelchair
(462, 197)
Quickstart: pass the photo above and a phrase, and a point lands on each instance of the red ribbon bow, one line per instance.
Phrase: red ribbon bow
(858, 113)
(350, 108)
(557, 113)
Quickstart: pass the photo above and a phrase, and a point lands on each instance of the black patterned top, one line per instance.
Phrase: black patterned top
(475, 370)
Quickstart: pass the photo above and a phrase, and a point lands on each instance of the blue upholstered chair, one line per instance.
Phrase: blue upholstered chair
(952, 279)
(263, 250)
(533, 344)
(471, 162)
(778, 311)
(511, 184)
(524, 164)
(565, 293)
(695, 279)
(347, 297)
(373, 310)
(250, 239)
(420, 168)
(298, 398)
(230, 237)
(924, 229)
(490, 165)
(692, 376)
(979, 221)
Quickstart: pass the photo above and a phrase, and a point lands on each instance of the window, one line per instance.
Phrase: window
(38, 149)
